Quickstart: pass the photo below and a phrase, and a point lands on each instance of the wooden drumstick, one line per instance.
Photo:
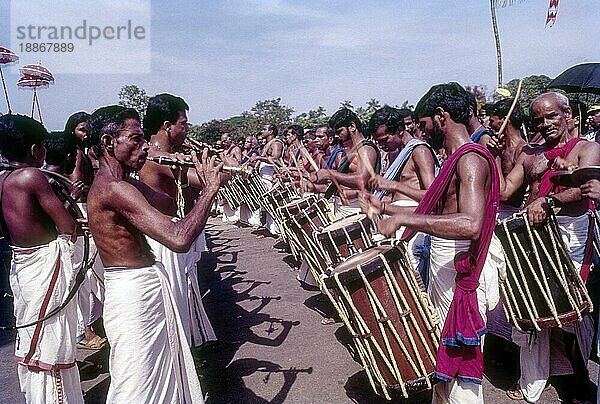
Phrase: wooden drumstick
(312, 161)
(510, 111)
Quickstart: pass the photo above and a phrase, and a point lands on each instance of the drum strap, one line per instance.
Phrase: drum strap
(588, 254)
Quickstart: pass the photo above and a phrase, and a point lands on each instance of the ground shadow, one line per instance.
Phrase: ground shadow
(359, 390)
(237, 392)
(222, 379)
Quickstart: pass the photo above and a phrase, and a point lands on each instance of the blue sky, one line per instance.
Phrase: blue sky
(223, 56)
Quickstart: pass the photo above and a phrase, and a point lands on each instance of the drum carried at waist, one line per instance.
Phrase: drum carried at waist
(382, 302)
(542, 289)
(345, 237)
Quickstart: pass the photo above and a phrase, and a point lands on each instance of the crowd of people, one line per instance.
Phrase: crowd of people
(447, 171)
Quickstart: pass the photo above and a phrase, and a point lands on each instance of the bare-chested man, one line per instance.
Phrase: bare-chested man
(76, 126)
(61, 157)
(268, 161)
(462, 227)
(150, 358)
(333, 154)
(273, 150)
(412, 162)
(363, 160)
(232, 152)
(166, 122)
(550, 114)
(513, 142)
(38, 227)
(294, 134)
(411, 170)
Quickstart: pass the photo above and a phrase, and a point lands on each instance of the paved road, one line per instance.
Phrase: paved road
(272, 347)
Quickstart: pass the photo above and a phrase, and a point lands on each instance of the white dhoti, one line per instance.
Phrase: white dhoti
(544, 355)
(266, 172)
(183, 276)
(91, 292)
(249, 217)
(150, 360)
(441, 292)
(40, 279)
(230, 215)
(415, 244)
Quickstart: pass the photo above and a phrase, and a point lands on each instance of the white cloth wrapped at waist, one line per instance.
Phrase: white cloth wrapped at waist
(34, 271)
(415, 244)
(150, 359)
(182, 273)
(442, 275)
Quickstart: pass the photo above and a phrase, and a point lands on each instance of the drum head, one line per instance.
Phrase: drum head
(577, 177)
(369, 260)
(345, 222)
(296, 202)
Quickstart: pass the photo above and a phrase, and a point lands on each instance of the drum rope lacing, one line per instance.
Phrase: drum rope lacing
(363, 332)
(527, 298)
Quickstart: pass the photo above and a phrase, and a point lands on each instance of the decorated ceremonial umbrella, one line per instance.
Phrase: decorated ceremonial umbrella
(35, 76)
(6, 56)
(583, 78)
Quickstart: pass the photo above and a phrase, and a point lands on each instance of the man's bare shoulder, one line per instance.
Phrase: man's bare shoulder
(587, 147)
(27, 178)
(422, 151)
(472, 165)
(109, 191)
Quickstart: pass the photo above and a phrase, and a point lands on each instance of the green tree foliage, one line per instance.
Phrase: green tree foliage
(132, 96)
(532, 87)
(347, 104)
(272, 111)
(364, 113)
(312, 118)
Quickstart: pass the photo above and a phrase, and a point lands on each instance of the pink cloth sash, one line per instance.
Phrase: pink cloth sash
(460, 354)
(546, 185)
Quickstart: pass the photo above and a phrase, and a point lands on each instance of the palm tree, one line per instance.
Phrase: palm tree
(493, 5)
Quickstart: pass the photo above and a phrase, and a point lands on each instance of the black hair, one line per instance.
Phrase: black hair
(108, 121)
(75, 120)
(17, 134)
(487, 107)
(311, 133)
(501, 108)
(452, 97)
(273, 128)
(329, 132)
(161, 108)
(345, 117)
(392, 118)
(59, 145)
(404, 112)
(296, 130)
(472, 102)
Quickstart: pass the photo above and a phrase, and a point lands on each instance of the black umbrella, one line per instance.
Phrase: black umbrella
(583, 78)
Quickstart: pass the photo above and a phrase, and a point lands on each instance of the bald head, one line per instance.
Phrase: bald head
(561, 100)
